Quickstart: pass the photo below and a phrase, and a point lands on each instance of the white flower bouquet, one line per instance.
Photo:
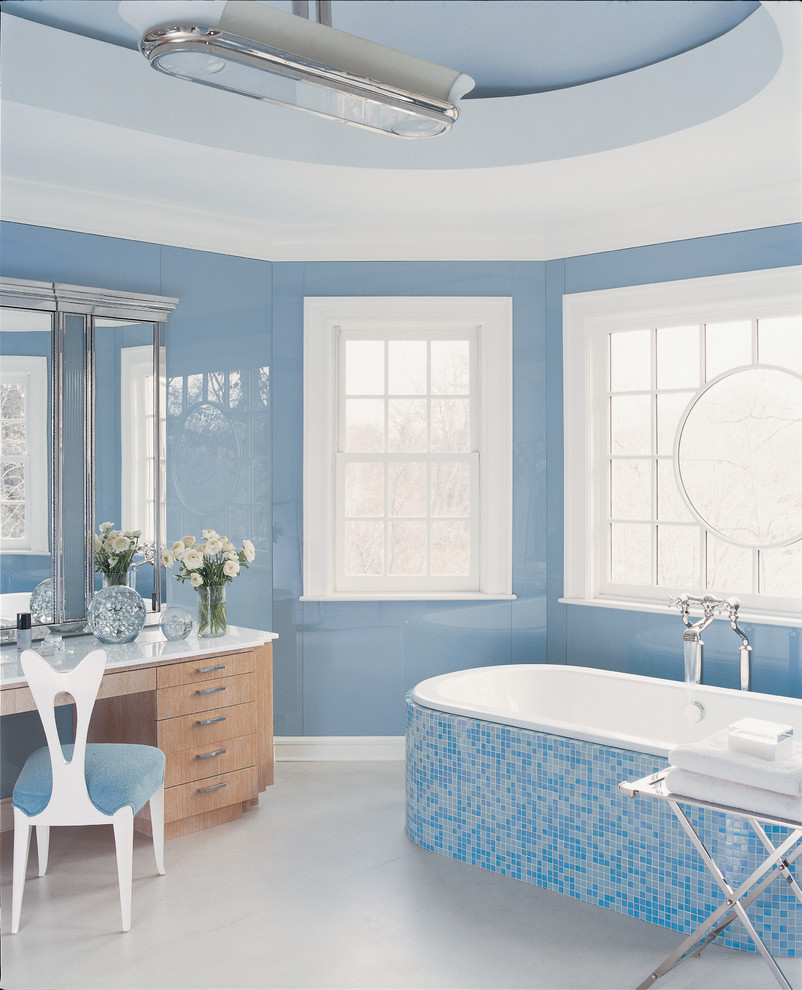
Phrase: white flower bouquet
(209, 567)
(114, 550)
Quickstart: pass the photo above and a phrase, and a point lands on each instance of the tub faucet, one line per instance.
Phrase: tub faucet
(745, 649)
(692, 638)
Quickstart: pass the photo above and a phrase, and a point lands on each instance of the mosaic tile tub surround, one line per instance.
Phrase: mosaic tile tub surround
(546, 809)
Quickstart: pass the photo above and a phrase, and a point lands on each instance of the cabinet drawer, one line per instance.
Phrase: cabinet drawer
(205, 728)
(211, 793)
(211, 760)
(204, 669)
(218, 693)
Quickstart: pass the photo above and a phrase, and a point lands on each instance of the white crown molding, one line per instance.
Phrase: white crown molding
(85, 211)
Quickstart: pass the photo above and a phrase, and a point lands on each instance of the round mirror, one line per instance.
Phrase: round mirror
(206, 458)
(738, 456)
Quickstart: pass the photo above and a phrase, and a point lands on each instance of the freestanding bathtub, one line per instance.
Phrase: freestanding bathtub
(516, 769)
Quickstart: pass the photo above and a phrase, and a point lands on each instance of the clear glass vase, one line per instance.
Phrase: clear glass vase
(117, 578)
(211, 610)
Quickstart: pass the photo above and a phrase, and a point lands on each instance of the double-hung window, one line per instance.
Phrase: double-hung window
(683, 442)
(24, 489)
(407, 447)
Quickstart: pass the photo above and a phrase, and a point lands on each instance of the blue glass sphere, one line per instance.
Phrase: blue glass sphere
(117, 614)
(175, 622)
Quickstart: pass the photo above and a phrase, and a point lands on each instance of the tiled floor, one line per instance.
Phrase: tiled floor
(318, 887)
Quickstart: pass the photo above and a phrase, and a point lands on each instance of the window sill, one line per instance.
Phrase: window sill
(765, 619)
(423, 596)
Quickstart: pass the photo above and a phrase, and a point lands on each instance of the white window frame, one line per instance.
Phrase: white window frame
(31, 371)
(137, 468)
(384, 315)
(588, 318)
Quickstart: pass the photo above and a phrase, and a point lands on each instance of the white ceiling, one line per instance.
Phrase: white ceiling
(701, 142)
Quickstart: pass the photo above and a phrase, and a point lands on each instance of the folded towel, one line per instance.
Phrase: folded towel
(732, 795)
(713, 757)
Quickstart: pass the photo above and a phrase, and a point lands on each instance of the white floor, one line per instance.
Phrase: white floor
(318, 887)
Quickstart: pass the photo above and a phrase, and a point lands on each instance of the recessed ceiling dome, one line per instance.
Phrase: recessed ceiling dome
(512, 48)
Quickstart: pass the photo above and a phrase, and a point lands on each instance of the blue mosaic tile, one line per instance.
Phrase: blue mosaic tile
(546, 810)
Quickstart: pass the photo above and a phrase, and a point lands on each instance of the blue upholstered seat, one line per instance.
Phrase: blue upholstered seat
(116, 775)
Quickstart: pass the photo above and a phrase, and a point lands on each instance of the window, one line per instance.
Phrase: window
(407, 447)
(636, 361)
(138, 460)
(23, 418)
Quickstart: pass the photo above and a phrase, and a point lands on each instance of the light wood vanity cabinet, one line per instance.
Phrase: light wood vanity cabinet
(212, 716)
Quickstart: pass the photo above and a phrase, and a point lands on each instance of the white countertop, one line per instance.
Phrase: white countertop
(149, 646)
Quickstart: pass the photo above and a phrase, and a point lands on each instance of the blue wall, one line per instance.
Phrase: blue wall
(221, 325)
(343, 669)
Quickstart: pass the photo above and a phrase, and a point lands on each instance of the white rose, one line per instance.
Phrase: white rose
(248, 550)
(108, 546)
(213, 547)
(168, 558)
(192, 559)
(232, 555)
(231, 568)
(208, 534)
(201, 548)
(177, 550)
(120, 544)
(105, 527)
(228, 546)
(195, 580)
(188, 541)
(113, 560)
(98, 541)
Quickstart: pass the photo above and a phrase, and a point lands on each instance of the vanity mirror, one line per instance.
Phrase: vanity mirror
(82, 400)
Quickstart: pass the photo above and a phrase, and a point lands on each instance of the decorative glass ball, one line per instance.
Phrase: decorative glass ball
(117, 614)
(42, 602)
(175, 622)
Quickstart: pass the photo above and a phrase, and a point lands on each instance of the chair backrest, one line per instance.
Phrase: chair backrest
(82, 683)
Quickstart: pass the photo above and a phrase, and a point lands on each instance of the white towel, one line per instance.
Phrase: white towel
(711, 756)
(726, 792)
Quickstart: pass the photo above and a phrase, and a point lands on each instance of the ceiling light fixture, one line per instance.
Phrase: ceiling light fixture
(249, 48)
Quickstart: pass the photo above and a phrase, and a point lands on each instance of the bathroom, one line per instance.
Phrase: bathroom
(342, 668)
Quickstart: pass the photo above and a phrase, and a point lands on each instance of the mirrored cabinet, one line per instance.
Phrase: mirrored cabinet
(82, 400)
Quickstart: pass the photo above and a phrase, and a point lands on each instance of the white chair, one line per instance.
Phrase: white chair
(80, 784)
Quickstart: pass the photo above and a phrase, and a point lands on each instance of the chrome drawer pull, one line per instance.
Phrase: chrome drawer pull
(214, 787)
(208, 670)
(211, 690)
(211, 721)
(208, 756)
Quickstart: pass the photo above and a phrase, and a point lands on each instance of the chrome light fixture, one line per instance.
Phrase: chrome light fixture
(249, 48)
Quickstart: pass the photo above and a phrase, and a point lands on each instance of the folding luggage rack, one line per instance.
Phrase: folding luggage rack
(775, 866)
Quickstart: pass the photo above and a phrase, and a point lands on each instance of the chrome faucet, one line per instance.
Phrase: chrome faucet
(692, 638)
(745, 650)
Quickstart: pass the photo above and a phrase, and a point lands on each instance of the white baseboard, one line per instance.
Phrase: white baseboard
(349, 748)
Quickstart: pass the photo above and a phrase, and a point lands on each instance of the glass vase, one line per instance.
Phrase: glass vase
(211, 610)
(116, 579)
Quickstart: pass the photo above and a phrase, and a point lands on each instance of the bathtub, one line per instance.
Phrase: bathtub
(516, 769)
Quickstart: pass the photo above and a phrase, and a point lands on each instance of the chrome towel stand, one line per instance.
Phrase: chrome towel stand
(775, 866)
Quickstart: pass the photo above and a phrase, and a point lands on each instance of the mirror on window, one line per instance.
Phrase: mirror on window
(739, 456)
(26, 347)
(128, 471)
(83, 448)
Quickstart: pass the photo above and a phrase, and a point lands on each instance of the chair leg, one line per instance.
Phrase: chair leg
(42, 847)
(22, 843)
(123, 822)
(157, 826)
